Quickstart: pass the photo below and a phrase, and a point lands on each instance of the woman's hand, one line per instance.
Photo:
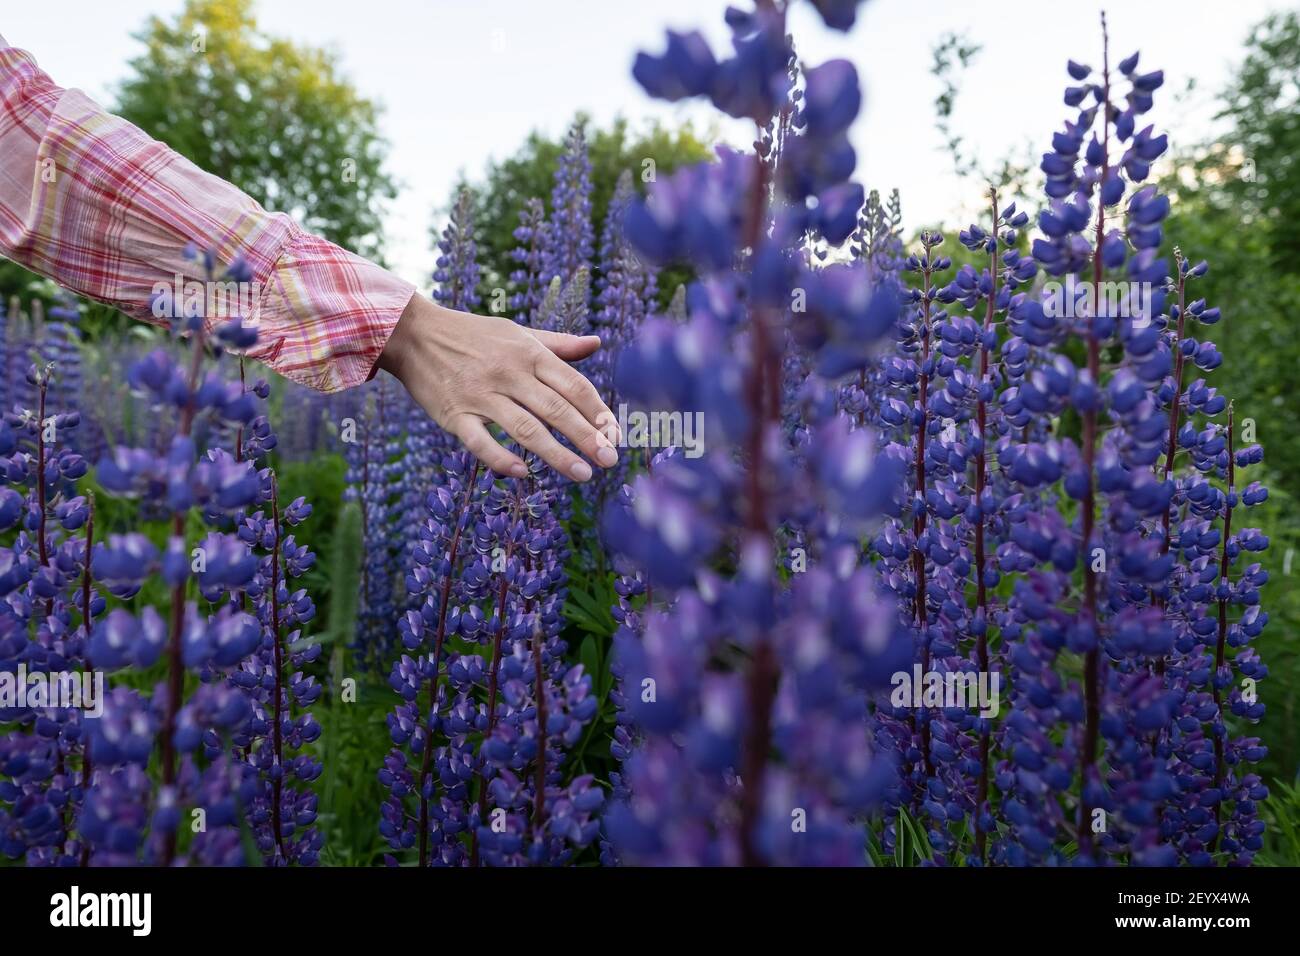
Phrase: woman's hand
(467, 370)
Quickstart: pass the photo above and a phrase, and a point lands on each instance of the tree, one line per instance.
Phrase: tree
(529, 173)
(1237, 203)
(276, 119)
(1263, 104)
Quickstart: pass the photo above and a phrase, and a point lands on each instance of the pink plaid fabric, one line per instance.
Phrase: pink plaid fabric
(90, 201)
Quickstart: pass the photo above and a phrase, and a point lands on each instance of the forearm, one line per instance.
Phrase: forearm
(92, 202)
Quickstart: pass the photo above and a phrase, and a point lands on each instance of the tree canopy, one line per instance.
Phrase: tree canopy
(1237, 203)
(529, 173)
(276, 119)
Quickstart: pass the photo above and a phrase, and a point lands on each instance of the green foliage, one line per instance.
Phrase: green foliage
(911, 844)
(1280, 728)
(276, 119)
(530, 172)
(589, 633)
(353, 743)
(345, 574)
(1263, 104)
(1236, 202)
(19, 288)
(1281, 813)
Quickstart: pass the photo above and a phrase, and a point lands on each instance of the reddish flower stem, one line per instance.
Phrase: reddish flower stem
(40, 474)
(763, 382)
(981, 479)
(86, 667)
(918, 489)
(1174, 420)
(502, 591)
(439, 636)
(539, 785)
(1092, 660)
(239, 432)
(277, 739)
(175, 659)
(1221, 644)
(1175, 412)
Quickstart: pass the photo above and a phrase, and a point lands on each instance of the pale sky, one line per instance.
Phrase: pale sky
(464, 81)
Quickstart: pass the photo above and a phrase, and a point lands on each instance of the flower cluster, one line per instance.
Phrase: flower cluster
(1048, 530)
(373, 438)
(78, 783)
(1052, 503)
(747, 738)
(47, 613)
(488, 704)
(960, 559)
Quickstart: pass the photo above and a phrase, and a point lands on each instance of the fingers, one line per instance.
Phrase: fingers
(573, 386)
(545, 391)
(524, 428)
(553, 407)
(568, 347)
(474, 435)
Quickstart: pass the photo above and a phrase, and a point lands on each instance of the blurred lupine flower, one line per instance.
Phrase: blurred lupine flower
(46, 616)
(374, 482)
(700, 782)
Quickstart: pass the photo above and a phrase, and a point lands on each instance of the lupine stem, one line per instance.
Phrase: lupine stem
(1174, 416)
(40, 473)
(175, 659)
(1092, 659)
(1221, 644)
(918, 483)
(86, 666)
(981, 477)
(277, 753)
(43, 504)
(502, 590)
(239, 432)
(439, 636)
(918, 490)
(539, 785)
(1174, 413)
(762, 382)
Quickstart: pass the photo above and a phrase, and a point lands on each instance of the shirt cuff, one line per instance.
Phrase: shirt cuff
(324, 315)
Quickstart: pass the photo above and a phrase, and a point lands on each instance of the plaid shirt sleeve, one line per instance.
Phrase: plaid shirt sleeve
(90, 201)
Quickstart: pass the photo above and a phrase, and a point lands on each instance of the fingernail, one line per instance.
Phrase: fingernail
(607, 457)
(581, 471)
(519, 470)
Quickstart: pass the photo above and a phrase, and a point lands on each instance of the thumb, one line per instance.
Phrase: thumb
(568, 347)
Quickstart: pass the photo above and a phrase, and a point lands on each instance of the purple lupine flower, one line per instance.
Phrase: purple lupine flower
(700, 784)
(45, 622)
(188, 732)
(567, 240)
(431, 811)
(527, 278)
(373, 482)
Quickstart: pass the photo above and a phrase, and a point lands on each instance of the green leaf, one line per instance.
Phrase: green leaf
(589, 655)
